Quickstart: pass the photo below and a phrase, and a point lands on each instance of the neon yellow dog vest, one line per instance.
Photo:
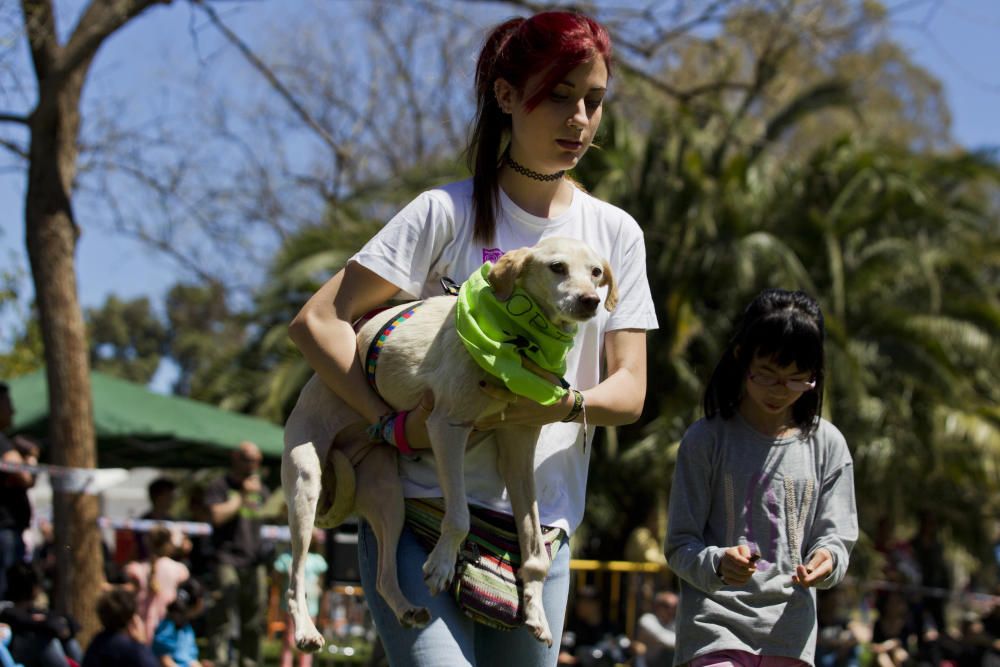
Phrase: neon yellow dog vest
(497, 333)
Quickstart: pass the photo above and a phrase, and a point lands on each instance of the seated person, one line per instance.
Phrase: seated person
(657, 630)
(893, 634)
(174, 643)
(40, 637)
(838, 639)
(122, 641)
(589, 636)
(6, 659)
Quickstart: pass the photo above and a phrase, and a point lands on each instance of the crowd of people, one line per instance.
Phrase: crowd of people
(161, 582)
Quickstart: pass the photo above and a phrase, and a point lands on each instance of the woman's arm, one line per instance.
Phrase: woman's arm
(615, 401)
(323, 333)
(619, 398)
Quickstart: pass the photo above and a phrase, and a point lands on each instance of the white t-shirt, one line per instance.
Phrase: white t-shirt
(431, 238)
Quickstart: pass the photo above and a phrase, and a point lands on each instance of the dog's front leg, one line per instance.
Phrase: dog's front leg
(516, 454)
(448, 442)
(300, 477)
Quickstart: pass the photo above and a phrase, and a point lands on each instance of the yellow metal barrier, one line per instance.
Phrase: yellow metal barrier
(624, 581)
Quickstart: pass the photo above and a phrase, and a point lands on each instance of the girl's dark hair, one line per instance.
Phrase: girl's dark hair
(780, 325)
(553, 43)
(189, 593)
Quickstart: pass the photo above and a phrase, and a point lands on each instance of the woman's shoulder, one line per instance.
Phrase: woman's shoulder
(608, 212)
(441, 205)
(455, 195)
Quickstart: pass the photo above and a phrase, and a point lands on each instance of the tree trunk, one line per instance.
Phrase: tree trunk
(51, 235)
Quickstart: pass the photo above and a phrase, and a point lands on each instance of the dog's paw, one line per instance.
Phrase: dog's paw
(416, 617)
(309, 642)
(438, 573)
(535, 621)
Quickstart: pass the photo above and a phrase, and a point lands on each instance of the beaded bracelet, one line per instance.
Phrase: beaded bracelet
(391, 428)
(577, 406)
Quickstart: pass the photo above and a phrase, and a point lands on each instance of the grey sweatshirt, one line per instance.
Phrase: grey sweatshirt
(785, 498)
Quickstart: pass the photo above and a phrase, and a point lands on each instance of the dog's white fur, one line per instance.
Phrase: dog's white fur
(424, 354)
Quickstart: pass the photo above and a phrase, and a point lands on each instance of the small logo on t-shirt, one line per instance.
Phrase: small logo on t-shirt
(492, 254)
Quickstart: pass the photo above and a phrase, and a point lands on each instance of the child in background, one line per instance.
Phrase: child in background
(762, 506)
(122, 642)
(157, 578)
(315, 567)
(174, 642)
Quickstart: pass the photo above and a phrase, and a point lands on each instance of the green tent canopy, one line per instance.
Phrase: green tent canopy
(138, 427)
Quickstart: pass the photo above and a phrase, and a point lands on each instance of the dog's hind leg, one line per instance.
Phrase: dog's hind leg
(448, 442)
(516, 454)
(301, 468)
(379, 499)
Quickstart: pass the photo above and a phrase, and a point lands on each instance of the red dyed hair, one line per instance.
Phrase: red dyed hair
(551, 42)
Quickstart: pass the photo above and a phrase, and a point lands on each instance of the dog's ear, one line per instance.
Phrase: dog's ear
(608, 278)
(504, 273)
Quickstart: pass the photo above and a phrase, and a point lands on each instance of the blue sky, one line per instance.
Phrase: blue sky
(957, 40)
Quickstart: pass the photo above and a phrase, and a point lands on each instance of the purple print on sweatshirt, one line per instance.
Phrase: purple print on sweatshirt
(762, 489)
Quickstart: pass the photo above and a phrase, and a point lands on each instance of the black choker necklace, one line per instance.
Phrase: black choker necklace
(524, 171)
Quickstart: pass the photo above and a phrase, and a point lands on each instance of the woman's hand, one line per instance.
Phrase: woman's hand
(817, 569)
(520, 410)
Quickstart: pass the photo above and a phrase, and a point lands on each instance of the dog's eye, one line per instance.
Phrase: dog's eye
(558, 267)
(597, 272)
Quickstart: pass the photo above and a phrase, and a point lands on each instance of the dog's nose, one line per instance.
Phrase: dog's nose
(590, 301)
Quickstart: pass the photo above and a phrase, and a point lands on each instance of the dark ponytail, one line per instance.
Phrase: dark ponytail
(489, 128)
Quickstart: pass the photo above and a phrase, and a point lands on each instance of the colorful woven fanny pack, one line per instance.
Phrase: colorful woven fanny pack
(485, 587)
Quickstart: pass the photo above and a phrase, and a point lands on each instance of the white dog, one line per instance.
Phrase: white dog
(325, 483)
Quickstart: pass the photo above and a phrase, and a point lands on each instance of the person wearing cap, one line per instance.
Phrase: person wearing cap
(235, 503)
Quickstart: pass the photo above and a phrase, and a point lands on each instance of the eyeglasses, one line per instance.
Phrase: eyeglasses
(765, 380)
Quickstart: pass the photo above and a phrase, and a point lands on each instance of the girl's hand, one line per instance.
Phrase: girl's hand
(521, 411)
(737, 565)
(817, 569)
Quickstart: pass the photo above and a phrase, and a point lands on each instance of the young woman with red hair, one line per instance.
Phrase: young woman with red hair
(540, 85)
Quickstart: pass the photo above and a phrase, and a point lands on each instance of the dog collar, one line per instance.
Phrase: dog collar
(378, 342)
(498, 333)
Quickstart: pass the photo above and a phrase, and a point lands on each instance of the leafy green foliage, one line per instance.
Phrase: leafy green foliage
(126, 339)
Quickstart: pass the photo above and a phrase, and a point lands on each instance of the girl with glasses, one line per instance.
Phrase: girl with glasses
(762, 506)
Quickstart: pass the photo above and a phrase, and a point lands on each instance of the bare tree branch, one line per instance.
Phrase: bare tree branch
(14, 148)
(40, 29)
(99, 21)
(13, 118)
(342, 156)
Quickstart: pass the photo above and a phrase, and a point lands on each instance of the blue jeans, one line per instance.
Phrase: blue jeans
(452, 638)
(11, 551)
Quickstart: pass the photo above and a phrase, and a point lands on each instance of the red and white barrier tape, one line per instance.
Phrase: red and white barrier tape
(91, 481)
